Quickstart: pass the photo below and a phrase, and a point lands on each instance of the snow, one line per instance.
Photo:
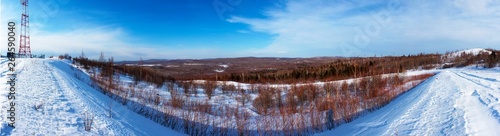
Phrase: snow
(219, 71)
(151, 65)
(474, 51)
(193, 64)
(224, 66)
(462, 101)
(64, 99)
(453, 102)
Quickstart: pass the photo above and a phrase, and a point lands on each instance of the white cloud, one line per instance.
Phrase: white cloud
(303, 28)
(458, 20)
(111, 41)
(476, 7)
(92, 39)
(350, 28)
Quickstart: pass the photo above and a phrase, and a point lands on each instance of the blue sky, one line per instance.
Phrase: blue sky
(182, 29)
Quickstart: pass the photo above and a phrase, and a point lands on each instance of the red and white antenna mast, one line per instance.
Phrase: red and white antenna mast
(24, 40)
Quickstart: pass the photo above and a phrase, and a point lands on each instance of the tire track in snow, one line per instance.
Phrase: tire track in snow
(103, 125)
(380, 122)
(477, 101)
(65, 99)
(36, 86)
(452, 102)
(432, 114)
(125, 121)
(487, 95)
(406, 119)
(61, 112)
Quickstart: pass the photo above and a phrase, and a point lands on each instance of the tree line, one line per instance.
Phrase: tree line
(138, 73)
(339, 70)
(485, 59)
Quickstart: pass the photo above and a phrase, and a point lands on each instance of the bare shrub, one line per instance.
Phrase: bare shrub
(253, 88)
(209, 88)
(204, 106)
(344, 88)
(263, 102)
(311, 92)
(177, 100)
(224, 87)
(88, 120)
(38, 105)
(243, 98)
(330, 88)
(186, 87)
(231, 88)
(194, 88)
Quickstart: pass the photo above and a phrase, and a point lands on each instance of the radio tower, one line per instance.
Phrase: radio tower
(24, 41)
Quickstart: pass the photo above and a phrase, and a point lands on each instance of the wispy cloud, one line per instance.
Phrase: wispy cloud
(93, 39)
(298, 28)
(113, 42)
(423, 25)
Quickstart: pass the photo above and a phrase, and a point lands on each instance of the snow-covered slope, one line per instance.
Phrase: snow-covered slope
(64, 100)
(474, 51)
(454, 102)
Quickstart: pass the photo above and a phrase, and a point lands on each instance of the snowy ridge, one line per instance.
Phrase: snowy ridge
(474, 51)
(63, 99)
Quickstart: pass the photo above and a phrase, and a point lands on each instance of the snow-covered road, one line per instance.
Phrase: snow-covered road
(63, 100)
(454, 102)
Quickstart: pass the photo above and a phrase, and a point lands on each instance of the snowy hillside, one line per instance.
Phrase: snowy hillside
(474, 51)
(454, 102)
(51, 101)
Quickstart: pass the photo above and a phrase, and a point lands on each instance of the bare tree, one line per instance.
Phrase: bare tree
(209, 88)
(186, 86)
(344, 88)
(194, 88)
(82, 56)
(329, 88)
(264, 101)
(243, 98)
(101, 57)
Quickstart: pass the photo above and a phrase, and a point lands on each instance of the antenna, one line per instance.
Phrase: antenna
(24, 40)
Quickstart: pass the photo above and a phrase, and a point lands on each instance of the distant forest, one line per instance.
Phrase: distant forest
(341, 68)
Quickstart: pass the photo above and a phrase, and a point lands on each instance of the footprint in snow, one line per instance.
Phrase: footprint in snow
(475, 93)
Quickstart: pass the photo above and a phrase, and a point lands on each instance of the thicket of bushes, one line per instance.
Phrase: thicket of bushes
(138, 73)
(291, 110)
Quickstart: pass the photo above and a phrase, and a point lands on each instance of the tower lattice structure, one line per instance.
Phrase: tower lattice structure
(24, 40)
